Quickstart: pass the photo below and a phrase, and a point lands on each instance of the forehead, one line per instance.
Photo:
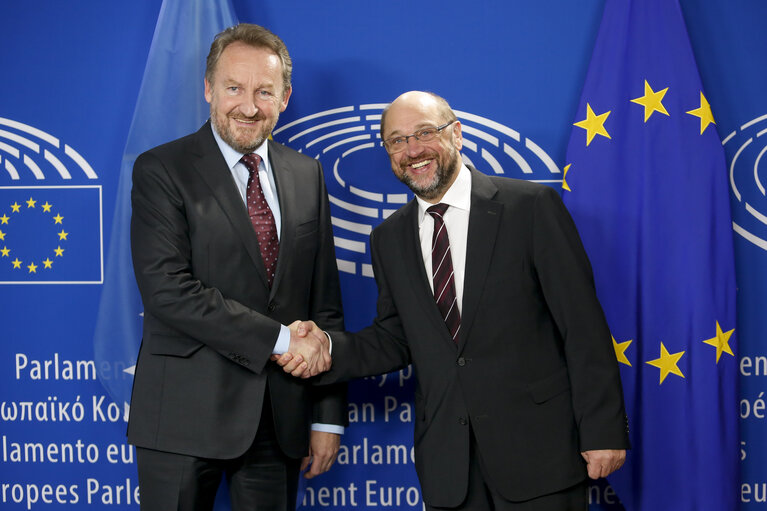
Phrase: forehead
(407, 116)
(242, 62)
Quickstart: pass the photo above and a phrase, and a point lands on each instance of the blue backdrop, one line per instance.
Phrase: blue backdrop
(514, 71)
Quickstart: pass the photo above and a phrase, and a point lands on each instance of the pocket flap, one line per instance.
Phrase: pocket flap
(307, 227)
(173, 345)
(545, 389)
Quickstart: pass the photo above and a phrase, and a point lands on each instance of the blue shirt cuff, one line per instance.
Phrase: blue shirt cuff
(328, 428)
(283, 341)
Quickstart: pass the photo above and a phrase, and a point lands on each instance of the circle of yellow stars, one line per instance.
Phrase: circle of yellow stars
(594, 124)
(30, 266)
(652, 101)
(668, 363)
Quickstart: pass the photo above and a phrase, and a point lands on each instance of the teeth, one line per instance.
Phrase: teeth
(420, 164)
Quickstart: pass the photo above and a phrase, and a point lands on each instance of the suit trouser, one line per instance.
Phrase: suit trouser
(480, 495)
(262, 479)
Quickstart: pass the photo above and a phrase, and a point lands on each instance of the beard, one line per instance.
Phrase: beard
(440, 180)
(243, 140)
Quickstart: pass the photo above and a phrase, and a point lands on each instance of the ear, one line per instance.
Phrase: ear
(208, 91)
(285, 98)
(457, 135)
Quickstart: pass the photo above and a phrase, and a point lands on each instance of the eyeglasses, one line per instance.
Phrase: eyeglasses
(398, 144)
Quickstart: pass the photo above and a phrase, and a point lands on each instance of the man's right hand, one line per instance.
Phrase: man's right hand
(309, 350)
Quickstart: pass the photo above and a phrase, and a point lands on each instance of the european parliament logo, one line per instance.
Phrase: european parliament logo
(361, 186)
(747, 153)
(49, 234)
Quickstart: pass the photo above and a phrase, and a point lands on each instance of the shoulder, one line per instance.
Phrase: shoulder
(520, 186)
(397, 221)
(180, 149)
(281, 152)
(512, 191)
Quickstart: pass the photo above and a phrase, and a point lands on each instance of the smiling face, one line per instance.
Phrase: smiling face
(427, 168)
(246, 95)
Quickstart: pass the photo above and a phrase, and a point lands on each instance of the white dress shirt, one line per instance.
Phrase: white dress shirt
(456, 219)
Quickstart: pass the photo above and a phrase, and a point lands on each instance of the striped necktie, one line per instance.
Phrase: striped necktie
(442, 274)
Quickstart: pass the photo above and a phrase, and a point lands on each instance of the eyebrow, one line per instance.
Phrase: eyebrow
(227, 82)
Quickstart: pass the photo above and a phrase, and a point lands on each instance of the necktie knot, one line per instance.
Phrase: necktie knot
(438, 209)
(251, 162)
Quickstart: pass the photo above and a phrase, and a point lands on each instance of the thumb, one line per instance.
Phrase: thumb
(305, 462)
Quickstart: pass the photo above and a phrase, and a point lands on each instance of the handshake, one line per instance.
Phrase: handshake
(308, 353)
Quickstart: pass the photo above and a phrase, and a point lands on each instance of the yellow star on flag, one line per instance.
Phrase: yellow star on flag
(593, 124)
(721, 342)
(5, 251)
(63, 234)
(16, 263)
(2, 235)
(15, 207)
(4, 219)
(58, 218)
(620, 351)
(32, 268)
(48, 263)
(651, 101)
(47, 207)
(31, 203)
(704, 112)
(667, 363)
(564, 178)
(59, 252)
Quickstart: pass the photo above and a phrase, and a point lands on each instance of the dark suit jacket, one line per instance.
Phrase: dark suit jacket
(534, 373)
(210, 319)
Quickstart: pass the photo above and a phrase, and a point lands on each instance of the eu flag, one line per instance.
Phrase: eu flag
(646, 185)
(50, 235)
(170, 104)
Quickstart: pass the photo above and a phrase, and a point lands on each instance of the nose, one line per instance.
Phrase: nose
(413, 148)
(248, 108)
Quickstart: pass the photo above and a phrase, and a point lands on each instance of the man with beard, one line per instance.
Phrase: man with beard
(485, 288)
(231, 240)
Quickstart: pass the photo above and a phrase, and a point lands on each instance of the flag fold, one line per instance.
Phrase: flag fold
(170, 104)
(646, 183)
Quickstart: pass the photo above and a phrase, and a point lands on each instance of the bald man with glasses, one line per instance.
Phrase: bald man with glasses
(485, 288)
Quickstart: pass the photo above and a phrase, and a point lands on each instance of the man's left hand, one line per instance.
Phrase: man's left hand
(323, 449)
(603, 462)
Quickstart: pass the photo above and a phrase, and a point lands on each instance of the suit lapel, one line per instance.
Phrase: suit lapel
(285, 180)
(416, 273)
(484, 221)
(213, 170)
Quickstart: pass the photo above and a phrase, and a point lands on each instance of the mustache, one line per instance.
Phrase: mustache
(239, 117)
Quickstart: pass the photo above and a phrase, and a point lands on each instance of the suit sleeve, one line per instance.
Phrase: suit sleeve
(330, 402)
(377, 349)
(162, 260)
(567, 283)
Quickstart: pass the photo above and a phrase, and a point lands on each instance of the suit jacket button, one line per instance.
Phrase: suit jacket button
(270, 307)
(461, 361)
(462, 421)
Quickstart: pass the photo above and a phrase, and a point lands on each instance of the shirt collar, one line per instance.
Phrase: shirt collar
(233, 156)
(457, 196)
